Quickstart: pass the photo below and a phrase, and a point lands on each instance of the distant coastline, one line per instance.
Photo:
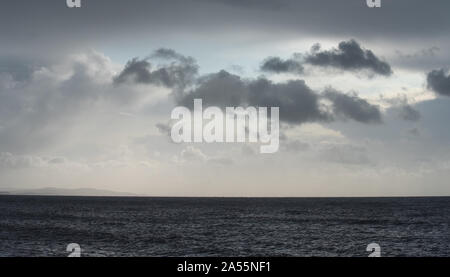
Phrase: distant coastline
(51, 191)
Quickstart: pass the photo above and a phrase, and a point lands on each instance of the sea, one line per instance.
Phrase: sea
(44, 226)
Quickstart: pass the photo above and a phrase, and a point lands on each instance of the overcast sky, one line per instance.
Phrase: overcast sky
(364, 94)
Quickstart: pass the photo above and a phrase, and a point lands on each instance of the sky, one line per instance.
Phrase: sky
(86, 95)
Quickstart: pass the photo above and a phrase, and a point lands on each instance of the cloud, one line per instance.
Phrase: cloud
(191, 154)
(353, 107)
(41, 109)
(220, 89)
(297, 102)
(439, 82)
(170, 54)
(164, 128)
(349, 56)
(294, 146)
(277, 65)
(179, 72)
(409, 113)
(428, 52)
(401, 108)
(59, 100)
(153, 20)
(10, 161)
(139, 70)
(422, 59)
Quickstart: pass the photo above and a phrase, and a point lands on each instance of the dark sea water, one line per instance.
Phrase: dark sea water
(102, 226)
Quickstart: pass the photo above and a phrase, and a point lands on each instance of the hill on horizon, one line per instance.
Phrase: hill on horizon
(69, 192)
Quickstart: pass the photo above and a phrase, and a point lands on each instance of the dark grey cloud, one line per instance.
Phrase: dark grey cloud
(179, 72)
(439, 82)
(221, 89)
(277, 65)
(353, 107)
(164, 128)
(349, 56)
(140, 70)
(170, 54)
(297, 102)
